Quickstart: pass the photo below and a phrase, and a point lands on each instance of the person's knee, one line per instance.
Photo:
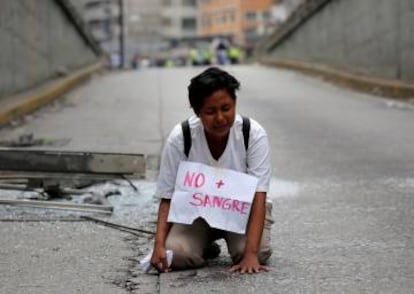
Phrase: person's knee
(183, 256)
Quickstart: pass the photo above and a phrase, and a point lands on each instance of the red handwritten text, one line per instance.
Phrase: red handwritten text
(212, 201)
(194, 180)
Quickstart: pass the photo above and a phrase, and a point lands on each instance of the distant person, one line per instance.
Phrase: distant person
(115, 60)
(206, 56)
(221, 52)
(234, 54)
(218, 138)
(194, 56)
(135, 61)
(169, 63)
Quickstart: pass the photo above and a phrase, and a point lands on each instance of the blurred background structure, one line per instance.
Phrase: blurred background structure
(50, 38)
(364, 38)
(41, 40)
(103, 18)
(143, 32)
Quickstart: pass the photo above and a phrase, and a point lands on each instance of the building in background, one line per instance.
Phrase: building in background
(159, 30)
(179, 19)
(244, 21)
(143, 29)
(179, 30)
(146, 29)
(282, 9)
(153, 32)
(103, 19)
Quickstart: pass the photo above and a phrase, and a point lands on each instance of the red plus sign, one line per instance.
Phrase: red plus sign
(219, 184)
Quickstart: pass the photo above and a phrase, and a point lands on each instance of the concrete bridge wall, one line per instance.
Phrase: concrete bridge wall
(38, 40)
(369, 37)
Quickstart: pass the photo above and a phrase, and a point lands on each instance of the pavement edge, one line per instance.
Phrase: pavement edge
(35, 100)
(377, 86)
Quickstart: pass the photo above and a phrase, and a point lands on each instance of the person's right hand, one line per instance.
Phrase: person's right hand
(159, 259)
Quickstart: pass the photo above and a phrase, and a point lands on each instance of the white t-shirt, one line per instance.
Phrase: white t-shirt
(233, 157)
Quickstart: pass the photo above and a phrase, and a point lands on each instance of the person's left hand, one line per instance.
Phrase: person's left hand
(249, 264)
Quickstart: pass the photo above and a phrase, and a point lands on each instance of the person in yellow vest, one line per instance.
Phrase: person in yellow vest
(169, 63)
(206, 56)
(194, 56)
(234, 54)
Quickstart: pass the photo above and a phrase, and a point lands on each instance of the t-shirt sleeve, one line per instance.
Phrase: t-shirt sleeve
(258, 157)
(171, 157)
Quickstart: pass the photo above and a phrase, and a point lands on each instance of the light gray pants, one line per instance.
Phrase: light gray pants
(188, 242)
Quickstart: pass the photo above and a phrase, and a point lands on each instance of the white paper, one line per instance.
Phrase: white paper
(222, 197)
(146, 261)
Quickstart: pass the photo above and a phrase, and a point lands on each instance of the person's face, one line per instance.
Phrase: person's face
(217, 114)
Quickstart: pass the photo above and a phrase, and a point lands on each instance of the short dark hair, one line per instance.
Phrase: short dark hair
(208, 82)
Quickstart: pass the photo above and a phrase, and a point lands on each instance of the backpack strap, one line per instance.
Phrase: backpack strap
(246, 131)
(185, 127)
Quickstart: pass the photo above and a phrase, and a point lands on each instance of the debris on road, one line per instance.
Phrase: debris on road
(58, 205)
(63, 175)
(119, 227)
(71, 162)
(28, 140)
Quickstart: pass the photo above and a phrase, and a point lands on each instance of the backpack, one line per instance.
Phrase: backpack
(185, 127)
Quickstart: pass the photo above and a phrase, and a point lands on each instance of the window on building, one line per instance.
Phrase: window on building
(266, 15)
(96, 24)
(221, 18)
(206, 23)
(251, 35)
(232, 16)
(189, 2)
(250, 16)
(166, 22)
(188, 23)
(93, 4)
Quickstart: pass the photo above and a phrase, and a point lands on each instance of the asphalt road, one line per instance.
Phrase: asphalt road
(342, 188)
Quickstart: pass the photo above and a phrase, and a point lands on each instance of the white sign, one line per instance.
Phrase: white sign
(222, 197)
